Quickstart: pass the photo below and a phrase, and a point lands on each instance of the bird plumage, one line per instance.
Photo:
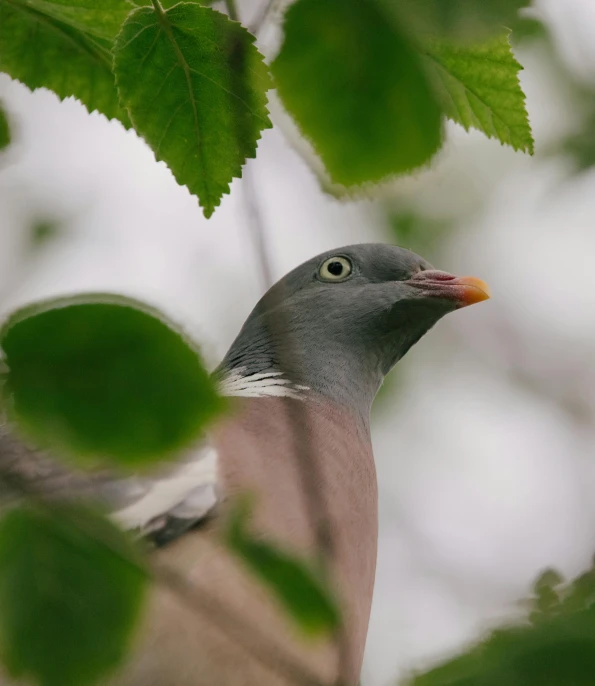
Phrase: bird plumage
(303, 371)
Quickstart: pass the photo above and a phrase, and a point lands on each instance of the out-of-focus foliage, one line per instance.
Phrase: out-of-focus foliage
(43, 52)
(546, 594)
(374, 109)
(166, 4)
(370, 111)
(294, 584)
(579, 144)
(5, 136)
(458, 19)
(556, 649)
(101, 19)
(477, 86)
(414, 231)
(195, 86)
(71, 591)
(43, 231)
(103, 378)
(366, 80)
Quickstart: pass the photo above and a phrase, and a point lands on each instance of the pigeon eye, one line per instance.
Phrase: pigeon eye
(335, 269)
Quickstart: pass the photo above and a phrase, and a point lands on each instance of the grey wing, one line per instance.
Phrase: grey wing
(161, 504)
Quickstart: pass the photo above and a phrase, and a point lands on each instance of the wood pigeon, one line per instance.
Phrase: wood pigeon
(302, 374)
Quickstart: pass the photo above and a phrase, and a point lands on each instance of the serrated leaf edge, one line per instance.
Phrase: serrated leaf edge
(162, 20)
(56, 26)
(528, 148)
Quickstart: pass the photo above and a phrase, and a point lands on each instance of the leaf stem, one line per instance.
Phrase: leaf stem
(256, 228)
(158, 8)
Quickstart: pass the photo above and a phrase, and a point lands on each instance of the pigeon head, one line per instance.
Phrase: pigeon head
(338, 323)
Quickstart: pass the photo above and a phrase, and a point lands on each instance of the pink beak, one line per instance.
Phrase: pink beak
(466, 290)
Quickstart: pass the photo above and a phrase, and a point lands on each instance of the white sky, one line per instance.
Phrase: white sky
(483, 482)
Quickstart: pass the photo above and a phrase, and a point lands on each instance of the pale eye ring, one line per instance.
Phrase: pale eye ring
(335, 269)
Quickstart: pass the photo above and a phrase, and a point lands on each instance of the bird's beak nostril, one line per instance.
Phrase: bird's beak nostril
(432, 275)
(465, 290)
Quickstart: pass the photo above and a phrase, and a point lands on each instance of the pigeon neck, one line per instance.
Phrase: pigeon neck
(257, 365)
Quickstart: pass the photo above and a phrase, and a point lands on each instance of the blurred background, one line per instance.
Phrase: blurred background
(484, 434)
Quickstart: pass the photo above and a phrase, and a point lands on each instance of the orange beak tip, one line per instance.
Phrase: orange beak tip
(474, 290)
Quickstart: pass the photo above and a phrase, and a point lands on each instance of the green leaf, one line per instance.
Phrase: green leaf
(103, 377)
(195, 86)
(5, 136)
(580, 145)
(101, 18)
(166, 4)
(357, 90)
(71, 590)
(546, 598)
(290, 579)
(557, 650)
(42, 52)
(459, 19)
(478, 87)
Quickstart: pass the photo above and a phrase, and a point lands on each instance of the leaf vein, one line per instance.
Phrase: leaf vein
(164, 21)
(169, 123)
(467, 88)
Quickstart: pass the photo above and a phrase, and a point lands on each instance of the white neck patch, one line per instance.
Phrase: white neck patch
(263, 384)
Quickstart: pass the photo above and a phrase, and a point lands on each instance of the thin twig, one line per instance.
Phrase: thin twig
(306, 458)
(303, 450)
(256, 228)
(232, 11)
(305, 454)
(259, 21)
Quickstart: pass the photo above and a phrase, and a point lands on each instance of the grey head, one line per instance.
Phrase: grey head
(339, 322)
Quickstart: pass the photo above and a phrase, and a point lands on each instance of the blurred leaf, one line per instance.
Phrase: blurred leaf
(195, 86)
(412, 230)
(546, 594)
(70, 591)
(528, 27)
(392, 386)
(167, 4)
(4, 129)
(581, 593)
(580, 145)
(43, 231)
(357, 90)
(42, 52)
(298, 589)
(478, 87)
(459, 19)
(101, 377)
(558, 650)
(101, 18)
